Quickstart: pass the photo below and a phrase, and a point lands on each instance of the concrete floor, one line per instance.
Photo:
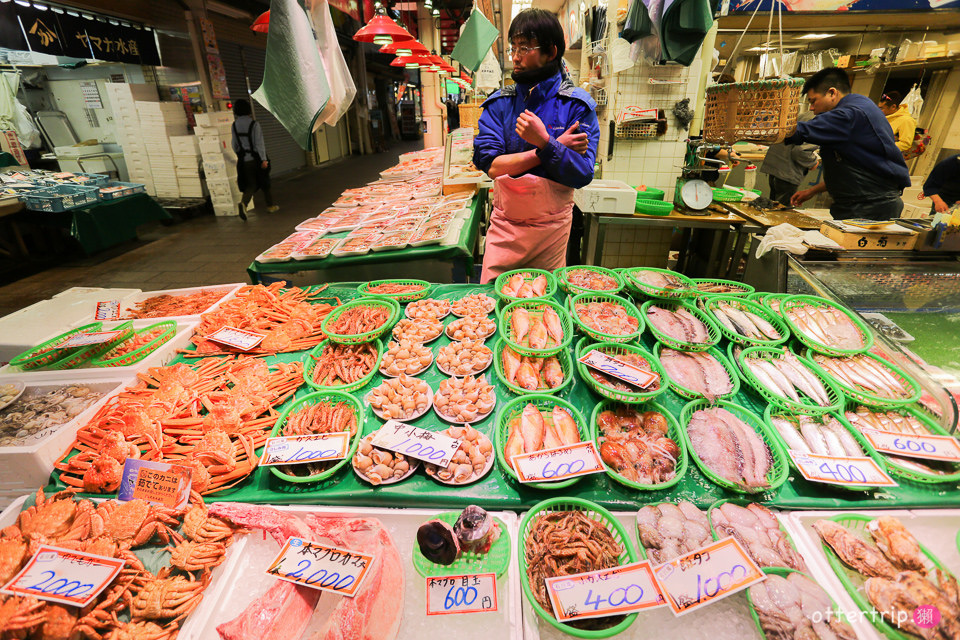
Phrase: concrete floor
(206, 250)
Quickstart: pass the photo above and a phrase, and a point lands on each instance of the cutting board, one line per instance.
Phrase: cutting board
(772, 217)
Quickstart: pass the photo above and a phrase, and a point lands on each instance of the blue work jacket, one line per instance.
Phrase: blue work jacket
(559, 104)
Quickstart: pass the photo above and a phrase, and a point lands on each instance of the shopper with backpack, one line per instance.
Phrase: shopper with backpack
(253, 166)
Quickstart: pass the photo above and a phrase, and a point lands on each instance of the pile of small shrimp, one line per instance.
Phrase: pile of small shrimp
(464, 358)
(394, 288)
(420, 330)
(470, 460)
(477, 304)
(591, 280)
(340, 364)
(466, 399)
(607, 317)
(400, 398)
(405, 356)
(428, 308)
(322, 417)
(360, 319)
(471, 328)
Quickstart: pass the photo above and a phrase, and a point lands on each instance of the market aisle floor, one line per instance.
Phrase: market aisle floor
(206, 250)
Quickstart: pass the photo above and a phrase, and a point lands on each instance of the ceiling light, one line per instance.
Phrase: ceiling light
(405, 48)
(816, 36)
(383, 31)
(436, 13)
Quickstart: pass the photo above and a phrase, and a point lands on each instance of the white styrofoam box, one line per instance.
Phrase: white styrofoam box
(213, 118)
(133, 92)
(27, 466)
(227, 291)
(184, 145)
(202, 130)
(245, 581)
(606, 196)
(187, 172)
(225, 128)
(219, 169)
(210, 146)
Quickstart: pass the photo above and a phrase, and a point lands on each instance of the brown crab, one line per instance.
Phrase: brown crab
(18, 615)
(197, 556)
(200, 526)
(164, 597)
(134, 523)
(57, 518)
(13, 553)
(142, 631)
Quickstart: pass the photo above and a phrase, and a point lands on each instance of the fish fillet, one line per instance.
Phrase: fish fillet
(715, 446)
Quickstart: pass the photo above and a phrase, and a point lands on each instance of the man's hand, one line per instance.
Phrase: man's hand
(939, 205)
(574, 141)
(264, 164)
(531, 128)
(801, 196)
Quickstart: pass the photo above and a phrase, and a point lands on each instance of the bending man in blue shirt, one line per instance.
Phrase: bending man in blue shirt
(862, 168)
(538, 141)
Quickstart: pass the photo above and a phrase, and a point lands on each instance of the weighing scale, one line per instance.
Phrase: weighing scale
(692, 192)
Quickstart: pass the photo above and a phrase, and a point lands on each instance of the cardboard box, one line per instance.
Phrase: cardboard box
(890, 237)
(9, 143)
(213, 118)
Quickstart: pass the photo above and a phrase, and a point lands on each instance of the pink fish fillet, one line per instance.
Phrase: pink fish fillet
(538, 335)
(375, 612)
(284, 611)
(554, 328)
(520, 321)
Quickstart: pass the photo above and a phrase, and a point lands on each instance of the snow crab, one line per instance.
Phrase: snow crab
(163, 597)
(197, 556)
(200, 526)
(134, 523)
(142, 631)
(19, 615)
(55, 519)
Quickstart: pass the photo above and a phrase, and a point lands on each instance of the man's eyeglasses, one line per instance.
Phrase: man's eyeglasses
(522, 50)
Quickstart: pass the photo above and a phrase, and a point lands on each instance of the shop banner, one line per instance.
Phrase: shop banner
(62, 34)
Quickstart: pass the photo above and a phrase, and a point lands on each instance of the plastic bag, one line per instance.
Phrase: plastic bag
(14, 115)
(489, 73)
(914, 102)
(342, 88)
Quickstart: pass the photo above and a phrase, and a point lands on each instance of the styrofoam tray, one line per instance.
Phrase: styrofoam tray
(228, 290)
(25, 467)
(245, 580)
(336, 252)
(307, 256)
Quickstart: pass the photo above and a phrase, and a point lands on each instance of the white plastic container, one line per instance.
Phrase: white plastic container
(606, 196)
(227, 291)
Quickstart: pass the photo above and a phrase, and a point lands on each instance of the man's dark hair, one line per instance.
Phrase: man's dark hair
(826, 79)
(541, 26)
(242, 108)
(892, 98)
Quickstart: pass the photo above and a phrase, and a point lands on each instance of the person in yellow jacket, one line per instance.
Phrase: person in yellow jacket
(904, 126)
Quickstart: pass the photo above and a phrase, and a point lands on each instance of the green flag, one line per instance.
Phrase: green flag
(477, 37)
(295, 88)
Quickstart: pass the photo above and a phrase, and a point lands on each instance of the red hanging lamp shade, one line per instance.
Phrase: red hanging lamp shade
(262, 23)
(405, 48)
(411, 62)
(382, 30)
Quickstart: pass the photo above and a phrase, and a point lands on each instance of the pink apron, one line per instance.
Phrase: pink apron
(529, 227)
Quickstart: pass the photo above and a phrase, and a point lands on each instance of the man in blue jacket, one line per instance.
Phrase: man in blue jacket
(862, 168)
(538, 141)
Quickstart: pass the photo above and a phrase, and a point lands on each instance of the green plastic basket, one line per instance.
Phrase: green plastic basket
(807, 405)
(903, 473)
(531, 274)
(507, 333)
(673, 433)
(712, 303)
(635, 285)
(109, 360)
(650, 207)
(853, 581)
(865, 397)
(650, 193)
(791, 302)
(514, 408)
(713, 333)
(38, 357)
(742, 290)
(693, 395)
(316, 398)
(740, 502)
(777, 474)
(309, 363)
(868, 450)
(566, 363)
(595, 512)
(363, 289)
(573, 289)
(392, 306)
(614, 349)
(721, 194)
(783, 572)
(773, 301)
(496, 560)
(600, 336)
(78, 358)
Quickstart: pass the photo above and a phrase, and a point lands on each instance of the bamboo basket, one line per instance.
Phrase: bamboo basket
(761, 111)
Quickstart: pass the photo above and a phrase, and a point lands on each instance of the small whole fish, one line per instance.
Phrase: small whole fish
(808, 435)
(539, 285)
(538, 334)
(744, 322)
(827, 325)
(511, 363)
(512, 288)
(865, 373)
(787, 377)
(520, 321)
(552, 321)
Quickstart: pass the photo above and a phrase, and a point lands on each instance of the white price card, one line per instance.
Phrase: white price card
(560, 463)
(475, 593)
(841, 470)
(63, 576)
(307, 448)
(429, 446)
(236, 338)
(914, 446)
(706, 575)
(320, 566)
(631, 374)
(87, 339)
(108, 310)
(606, 592)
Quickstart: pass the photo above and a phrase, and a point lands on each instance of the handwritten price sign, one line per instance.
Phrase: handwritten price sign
(108, 310)
(63, 576)
(415, 442)
(87, 339)
(461, 594)
(914, 446)
(321, 567)
(558, 464)
(631, 374)
(304, 449)
(845, 471)
(706, 575)
(236, 338)
(606, 592)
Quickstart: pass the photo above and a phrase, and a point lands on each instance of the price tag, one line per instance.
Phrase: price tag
(156, 482)
(87, 339)
(629, 373)
(914, 446)
(63, 576)
(108, 310)
(847, 471)
(429, 446)
(236, 338)
(303, 449)
(321, 567)
(706, 575)
(475, 593)
(558, 464)
(606, 592)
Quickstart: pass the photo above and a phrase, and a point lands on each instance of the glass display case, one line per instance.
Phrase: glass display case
(915, 307)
